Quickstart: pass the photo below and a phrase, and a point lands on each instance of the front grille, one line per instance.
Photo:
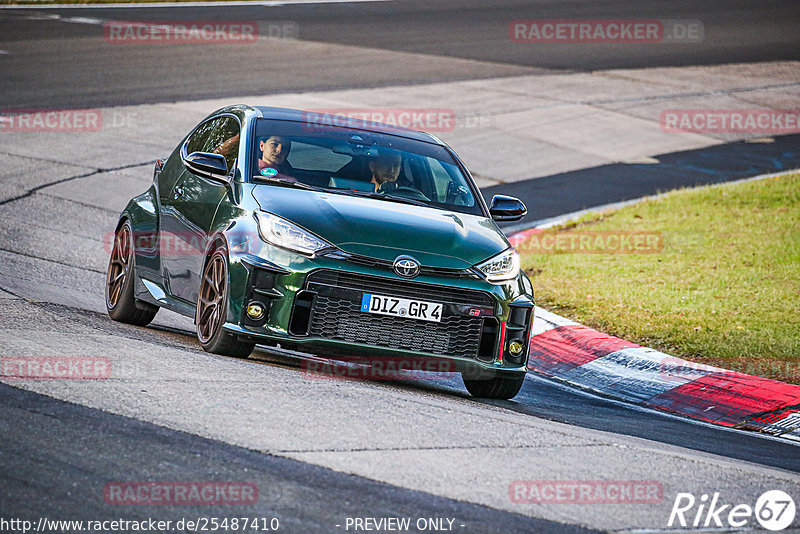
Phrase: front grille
(337, 314)
(400, 288)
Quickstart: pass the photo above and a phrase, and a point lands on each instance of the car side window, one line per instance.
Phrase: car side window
(217, 136)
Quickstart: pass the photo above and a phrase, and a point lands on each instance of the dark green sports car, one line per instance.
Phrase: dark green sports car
(338, 238)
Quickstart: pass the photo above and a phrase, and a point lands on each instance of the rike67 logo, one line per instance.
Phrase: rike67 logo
(774, 510)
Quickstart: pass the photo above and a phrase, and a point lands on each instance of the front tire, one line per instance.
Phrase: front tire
(501, 386)
(121, 305)
(212, 305)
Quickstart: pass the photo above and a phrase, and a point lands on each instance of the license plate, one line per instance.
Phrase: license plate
(397, 307)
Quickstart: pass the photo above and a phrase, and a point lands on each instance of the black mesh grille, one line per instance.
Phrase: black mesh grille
(335, 317)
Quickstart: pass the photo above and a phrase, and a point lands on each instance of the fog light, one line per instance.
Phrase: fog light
(515, 347)
(255, 310)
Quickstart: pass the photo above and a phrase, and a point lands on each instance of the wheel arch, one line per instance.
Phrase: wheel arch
(217, 241)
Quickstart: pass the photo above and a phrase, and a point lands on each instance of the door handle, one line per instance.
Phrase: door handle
(178, 192)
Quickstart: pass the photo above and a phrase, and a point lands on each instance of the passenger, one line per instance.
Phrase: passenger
(274, 151)
(385, 169)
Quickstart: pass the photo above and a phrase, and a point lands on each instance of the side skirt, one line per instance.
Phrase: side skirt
(154, 293)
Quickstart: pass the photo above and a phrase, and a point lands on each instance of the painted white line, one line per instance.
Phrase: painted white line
(42, 16)
(4, 52)
(81, 20)
(794, 435)
(263, 3)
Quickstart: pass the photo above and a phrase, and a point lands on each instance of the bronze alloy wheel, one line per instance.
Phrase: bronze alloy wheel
(118, 267)
(121, 303)
(211, 303)
(212, 307)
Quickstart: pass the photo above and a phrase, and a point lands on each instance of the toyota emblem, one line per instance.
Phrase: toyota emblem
(406, 266)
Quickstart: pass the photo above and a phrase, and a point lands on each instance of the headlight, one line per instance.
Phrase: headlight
(282, 233)
(504, 266)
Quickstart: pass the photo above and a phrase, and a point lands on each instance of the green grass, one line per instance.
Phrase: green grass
(725, 289)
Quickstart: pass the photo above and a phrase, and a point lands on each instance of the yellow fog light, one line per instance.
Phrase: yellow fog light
(515, 347)
(255, 310)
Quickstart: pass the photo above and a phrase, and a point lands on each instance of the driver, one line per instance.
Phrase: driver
(385, 169)
(274, 151)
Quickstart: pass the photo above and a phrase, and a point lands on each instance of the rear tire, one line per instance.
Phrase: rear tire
(121, 305)
(212, 306)
(501, 386)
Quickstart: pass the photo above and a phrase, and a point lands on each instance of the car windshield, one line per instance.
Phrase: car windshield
(361, 163)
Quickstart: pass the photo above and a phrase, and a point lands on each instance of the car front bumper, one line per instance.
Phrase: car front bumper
(314, 305)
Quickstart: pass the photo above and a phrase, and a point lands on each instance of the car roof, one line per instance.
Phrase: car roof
(299, 115)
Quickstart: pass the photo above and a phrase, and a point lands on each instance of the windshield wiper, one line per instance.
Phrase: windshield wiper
(406, 200)
(384, 196)
(353, 192)
(290, 183)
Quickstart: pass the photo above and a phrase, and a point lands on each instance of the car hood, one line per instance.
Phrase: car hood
(384, 229)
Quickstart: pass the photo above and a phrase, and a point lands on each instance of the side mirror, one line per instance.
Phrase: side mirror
(208, 165)
(506, 209)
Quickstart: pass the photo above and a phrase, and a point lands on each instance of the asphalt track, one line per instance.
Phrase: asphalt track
(55, 482)
(63, 62)
(569, 192)
(55, 454)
